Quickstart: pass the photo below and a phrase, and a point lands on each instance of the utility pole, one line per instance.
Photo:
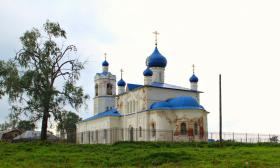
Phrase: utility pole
(220, 107)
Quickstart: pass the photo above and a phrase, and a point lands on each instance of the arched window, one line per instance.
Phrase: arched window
(183, 128)
(105, 134)
(136, 106)
(153, 130)
(133, 106)
(88, 136)
(96, 136)
(109, 89)
(127, 108)
(82, 138)
(130, 107)
(195, 128)
(96, 90)
(131, 133)
(140, 131)
(92, 136)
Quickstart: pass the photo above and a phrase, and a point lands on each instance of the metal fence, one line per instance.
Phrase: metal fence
(113, 135)
(244, 137)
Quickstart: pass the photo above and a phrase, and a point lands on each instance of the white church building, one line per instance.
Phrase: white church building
(152, 111)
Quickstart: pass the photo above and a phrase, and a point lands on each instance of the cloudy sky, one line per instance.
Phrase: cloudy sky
(239, 39)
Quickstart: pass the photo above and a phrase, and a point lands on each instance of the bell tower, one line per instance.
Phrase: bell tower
(105, 89)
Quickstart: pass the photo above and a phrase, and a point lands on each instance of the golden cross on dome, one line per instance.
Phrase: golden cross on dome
(193, 68)
(156, 34)
(121, 73)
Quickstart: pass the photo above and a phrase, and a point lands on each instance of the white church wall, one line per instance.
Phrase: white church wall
(99, 130)
(103, 103)
(135, 121)
(142, 122)
(132, 101)
(167, 123)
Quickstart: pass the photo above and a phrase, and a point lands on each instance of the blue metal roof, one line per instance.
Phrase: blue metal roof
(181, 102)
(112, 112)
(156, 59)
(168, 86)
(160, 85)
(121, 82)
(131, 86)
(193, 78)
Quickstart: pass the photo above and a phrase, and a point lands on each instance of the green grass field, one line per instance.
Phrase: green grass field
(142, 154)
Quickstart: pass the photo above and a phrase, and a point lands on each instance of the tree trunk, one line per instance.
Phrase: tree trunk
(45, 124)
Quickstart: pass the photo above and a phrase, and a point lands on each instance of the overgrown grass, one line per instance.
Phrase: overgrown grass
(140, 154)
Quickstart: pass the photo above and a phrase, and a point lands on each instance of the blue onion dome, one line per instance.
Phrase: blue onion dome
(160, 105)
(148, 72)
(193, 79)
(105, 63)
(156, 59)
(183, 101)
(180, 102)
(121, 82)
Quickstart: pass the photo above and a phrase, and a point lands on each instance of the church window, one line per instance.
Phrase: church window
(127, 108)
(92, 136)
(105, 134)
(131, 133)
(82, 138)
(109, 89)
(195, 128)
(183, 128)
(133, 106)
(130, 104)
(96, 136)
(88, 136)
(153, 130)
(96, 90)
(136, 106)
(140, 131)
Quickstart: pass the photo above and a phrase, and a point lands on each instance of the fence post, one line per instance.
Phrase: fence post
(246, 137)
(233, 136)
(258, 137)
(211, 135)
